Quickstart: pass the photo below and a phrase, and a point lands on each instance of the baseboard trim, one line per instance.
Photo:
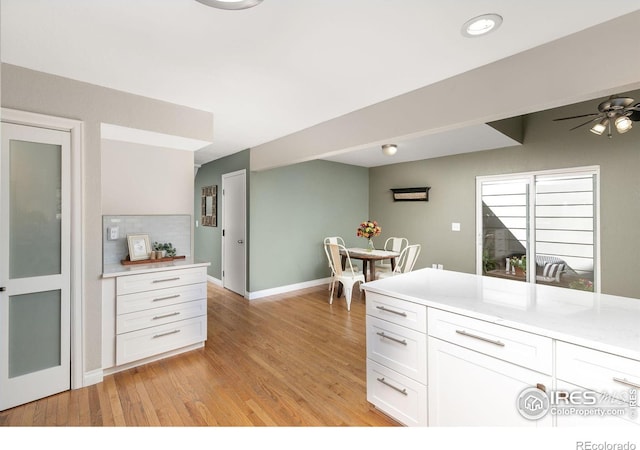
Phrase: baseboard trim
(284, 289)
(92, 377)
(213, 280)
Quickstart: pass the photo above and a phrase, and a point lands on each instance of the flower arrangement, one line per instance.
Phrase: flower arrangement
(582, 284)
(369, 229)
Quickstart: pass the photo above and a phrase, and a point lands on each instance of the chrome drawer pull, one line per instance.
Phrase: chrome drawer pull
(627, 382)
(381, 334)
(475, 336)
(386, 383)
(166, 279)
(165, 298)
(382, 308)
(166, 334)
(166, 315)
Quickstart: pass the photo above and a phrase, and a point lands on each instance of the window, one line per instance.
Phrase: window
(540, 227)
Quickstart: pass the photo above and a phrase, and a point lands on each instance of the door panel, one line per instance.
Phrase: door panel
(34, 264)
(234, 235)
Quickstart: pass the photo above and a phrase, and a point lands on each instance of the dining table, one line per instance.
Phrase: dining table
(369, 258)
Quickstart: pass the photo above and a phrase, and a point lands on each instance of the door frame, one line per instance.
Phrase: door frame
(76, 129)
(242, 172)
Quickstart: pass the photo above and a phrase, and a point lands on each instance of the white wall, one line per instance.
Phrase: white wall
(144, 180)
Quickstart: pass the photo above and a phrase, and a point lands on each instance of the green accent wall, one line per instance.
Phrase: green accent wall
(293, 209)
(208, 240)
(547, 145)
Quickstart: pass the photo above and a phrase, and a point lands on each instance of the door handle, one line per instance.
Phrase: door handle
(240, 241)
(2, 288)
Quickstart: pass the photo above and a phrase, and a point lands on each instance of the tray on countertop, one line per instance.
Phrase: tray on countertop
(127, 262)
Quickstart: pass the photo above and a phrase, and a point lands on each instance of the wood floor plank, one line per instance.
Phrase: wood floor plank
(286, 360)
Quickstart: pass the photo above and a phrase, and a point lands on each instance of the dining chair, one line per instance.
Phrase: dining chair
(334, 240)
(347, 276)
(393, 244)
(406, 261)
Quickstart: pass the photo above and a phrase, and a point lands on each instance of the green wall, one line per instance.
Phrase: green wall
(208, 240)
(293, 209)
(547, 145)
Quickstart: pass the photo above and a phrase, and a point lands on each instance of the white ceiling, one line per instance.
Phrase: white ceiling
(284, 65)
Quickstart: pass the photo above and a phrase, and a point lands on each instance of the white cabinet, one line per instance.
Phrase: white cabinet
(477, 371)
(160, 312)
(397, 358)
(468, 388)
(612, 381)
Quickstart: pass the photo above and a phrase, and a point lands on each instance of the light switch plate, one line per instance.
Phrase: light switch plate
(112, 233)
(455, 226)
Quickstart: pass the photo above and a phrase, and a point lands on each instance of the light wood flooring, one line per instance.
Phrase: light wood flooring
(287, 360)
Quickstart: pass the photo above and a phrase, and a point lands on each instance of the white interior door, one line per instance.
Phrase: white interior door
(234, 231)
(34, 264)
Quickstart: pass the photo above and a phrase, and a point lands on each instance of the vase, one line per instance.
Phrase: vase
(370, 247)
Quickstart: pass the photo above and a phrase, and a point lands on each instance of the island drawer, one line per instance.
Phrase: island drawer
(398, 396)
(508, 344)
(401, 312)
(597, 370)
(399, 348)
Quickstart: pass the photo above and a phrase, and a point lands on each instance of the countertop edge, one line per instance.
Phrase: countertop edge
(112, 270)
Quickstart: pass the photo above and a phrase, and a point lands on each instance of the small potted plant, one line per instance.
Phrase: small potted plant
(166, 249)
(519, 265)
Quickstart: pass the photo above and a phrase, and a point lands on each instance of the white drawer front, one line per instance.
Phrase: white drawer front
(398, 348)
(129, 284)
(401, 312)
(160, 316)
(572, 419)
(151, 341)
(598, 371)
(163, 297)
(398, 396)
(519, 347)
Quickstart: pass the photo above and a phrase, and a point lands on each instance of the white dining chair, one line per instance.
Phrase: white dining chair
(347, 276)
(406, 261)
(334, 240)
(393, 244)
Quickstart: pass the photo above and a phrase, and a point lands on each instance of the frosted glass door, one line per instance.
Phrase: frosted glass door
(34, 264)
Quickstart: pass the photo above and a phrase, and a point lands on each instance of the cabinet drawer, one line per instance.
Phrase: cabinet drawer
(151, 341)
(129, 284)
(163, 297)
(401, 312)
(599, 371)
(398, 396)
(398, 348)
(159, 316)
(519, 347)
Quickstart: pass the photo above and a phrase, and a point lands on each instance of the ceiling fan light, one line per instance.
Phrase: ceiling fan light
(600, 127)
(230, 4)
(623, 124)
(389, 149)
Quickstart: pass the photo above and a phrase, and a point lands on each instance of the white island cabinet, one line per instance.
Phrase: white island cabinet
(453, 349)
(153, 311)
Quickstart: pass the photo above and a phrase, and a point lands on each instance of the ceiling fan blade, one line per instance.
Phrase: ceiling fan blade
(575, 117)
(587, 122)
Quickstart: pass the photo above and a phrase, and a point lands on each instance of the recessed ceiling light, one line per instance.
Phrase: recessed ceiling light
(481, 25)
(230, 4)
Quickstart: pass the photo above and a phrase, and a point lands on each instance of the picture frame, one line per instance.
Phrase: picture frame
(209, 216)
(139, 247)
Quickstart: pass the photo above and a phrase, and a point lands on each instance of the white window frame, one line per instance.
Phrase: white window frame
(531, 176)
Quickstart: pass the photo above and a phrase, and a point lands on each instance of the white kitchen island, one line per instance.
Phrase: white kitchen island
(453, 349)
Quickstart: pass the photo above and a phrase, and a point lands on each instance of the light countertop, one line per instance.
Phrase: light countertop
(600, 321)
(116, 270)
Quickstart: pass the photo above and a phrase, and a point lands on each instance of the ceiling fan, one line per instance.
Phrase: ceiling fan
(619, 111)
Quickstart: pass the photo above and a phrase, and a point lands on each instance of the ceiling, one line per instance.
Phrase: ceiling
(285, 65)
